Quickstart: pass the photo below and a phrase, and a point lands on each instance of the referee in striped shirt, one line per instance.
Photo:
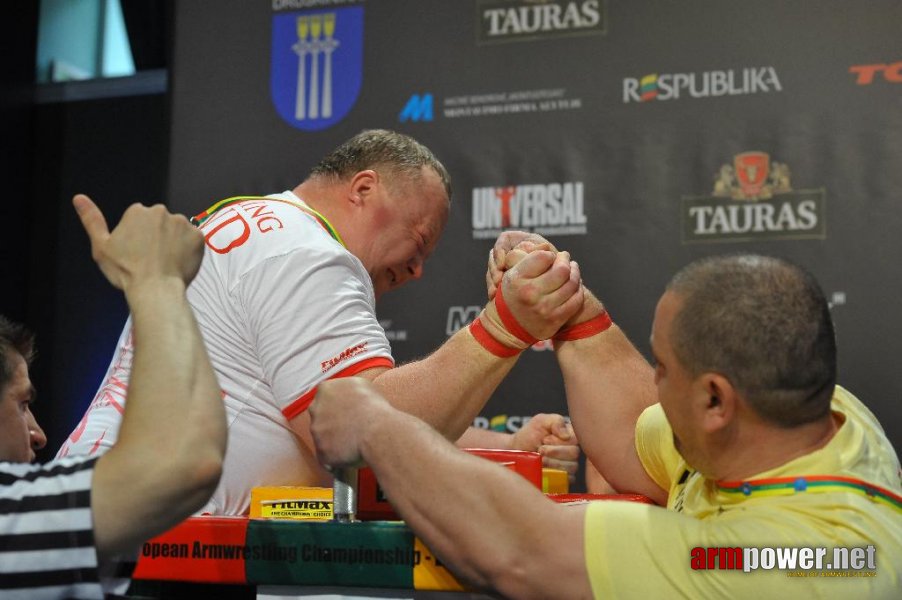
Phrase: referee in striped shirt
(60, 521)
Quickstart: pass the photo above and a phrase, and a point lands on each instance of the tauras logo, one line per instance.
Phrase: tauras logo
(752, 199)
(459, 317)
(501, 20)
(546, 209)
(670, 86)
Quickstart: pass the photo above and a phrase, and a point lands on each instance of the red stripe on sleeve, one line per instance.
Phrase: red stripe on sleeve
(302, 403)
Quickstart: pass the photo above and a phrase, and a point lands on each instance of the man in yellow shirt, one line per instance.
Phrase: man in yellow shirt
(775, 480)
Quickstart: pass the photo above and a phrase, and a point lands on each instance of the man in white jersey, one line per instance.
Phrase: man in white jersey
(286, 299)
(60, 521)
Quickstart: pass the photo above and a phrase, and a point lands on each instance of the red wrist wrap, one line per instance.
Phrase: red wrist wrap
(486, 340)
(593, 326)
(510, 322)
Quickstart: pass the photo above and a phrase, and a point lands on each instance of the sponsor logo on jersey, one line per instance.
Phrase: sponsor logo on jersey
(327, 365)
(509, 21)
(231, 227)
(879, 73)
(753, 200)
(673, 86)
(316, 63)
(546, 209)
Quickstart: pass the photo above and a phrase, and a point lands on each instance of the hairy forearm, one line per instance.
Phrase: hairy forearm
(481, 519)
(448, 388)
(172, 388)
(608, 385)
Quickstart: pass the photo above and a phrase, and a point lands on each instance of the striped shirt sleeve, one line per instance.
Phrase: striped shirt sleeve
(46, 530)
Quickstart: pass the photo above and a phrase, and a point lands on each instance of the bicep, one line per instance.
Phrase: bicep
(595, 481)
(639, 482)
(609, 384)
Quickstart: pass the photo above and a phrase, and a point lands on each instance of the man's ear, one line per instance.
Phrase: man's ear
(363, 184)
(722, 402)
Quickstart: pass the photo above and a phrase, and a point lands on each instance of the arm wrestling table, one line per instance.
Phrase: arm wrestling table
(375, 557)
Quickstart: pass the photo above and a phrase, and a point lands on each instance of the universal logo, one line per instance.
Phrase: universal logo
(753, 200)
(514, 21)
(546, 209)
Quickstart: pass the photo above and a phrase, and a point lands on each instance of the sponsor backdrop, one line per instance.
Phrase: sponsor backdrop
(638, 135)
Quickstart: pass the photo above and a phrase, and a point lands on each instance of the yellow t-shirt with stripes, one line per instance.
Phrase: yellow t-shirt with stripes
(845, 495)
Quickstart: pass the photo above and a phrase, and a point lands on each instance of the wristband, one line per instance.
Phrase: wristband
(510, 322)
(485, 339)
(593, 326)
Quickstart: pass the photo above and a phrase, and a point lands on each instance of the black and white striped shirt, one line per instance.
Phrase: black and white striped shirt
(46, 530)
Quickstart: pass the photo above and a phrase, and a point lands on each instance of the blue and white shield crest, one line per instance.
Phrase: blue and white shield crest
(317, 65)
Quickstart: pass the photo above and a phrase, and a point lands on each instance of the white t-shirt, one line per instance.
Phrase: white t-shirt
(282, 306)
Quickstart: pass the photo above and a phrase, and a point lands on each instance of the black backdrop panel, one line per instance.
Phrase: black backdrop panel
(638, 135)
(114, 150)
